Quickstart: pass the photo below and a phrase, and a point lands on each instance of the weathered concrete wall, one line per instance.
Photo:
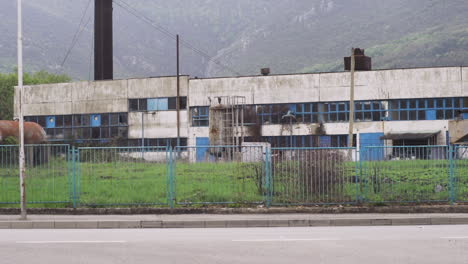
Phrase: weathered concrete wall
(156, 87)
(464, 74)
(95, 97)
(257, 89)
(371, 85)
(157, 124)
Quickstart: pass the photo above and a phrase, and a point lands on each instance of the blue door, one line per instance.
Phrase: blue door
(50, 122)
(372, 139)
(202, 148)
(95, 120)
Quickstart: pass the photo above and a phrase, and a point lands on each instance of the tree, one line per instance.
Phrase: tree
(9, 80)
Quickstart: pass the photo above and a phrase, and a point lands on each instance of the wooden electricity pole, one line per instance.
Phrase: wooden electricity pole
(178, 93)
(351, 103)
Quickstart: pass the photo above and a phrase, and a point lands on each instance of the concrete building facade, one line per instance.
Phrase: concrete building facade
(393, 107)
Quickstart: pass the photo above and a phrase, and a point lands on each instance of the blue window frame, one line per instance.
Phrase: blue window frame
(84, 127)
(95, 120)
(200, 116)
(50, 122)
(426, 109)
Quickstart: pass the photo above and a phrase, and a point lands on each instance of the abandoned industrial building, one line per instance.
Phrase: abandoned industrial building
(393, 108)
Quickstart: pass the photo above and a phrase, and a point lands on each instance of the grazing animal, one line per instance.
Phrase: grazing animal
(33, 132)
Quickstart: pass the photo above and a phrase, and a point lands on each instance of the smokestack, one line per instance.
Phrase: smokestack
(103, 49)
(265, 71)
(363, 63)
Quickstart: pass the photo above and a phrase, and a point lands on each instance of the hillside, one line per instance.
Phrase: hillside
(246, 35)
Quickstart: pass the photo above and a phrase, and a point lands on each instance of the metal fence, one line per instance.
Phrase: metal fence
(460, 177)
(48, 174)
(114, 176)
(314, 176)
(405, 174)
(183, 176)
(219, 174)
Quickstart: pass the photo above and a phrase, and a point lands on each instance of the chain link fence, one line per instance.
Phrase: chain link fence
(64, 176)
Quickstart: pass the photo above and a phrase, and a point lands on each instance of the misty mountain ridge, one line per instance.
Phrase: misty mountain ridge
(245, 35)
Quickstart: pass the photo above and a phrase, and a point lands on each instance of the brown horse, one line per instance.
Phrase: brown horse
(33, 132)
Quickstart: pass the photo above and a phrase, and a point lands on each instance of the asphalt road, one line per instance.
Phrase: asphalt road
(392, 244)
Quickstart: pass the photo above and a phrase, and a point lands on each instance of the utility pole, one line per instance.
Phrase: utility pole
(22, 169)
(351, 104)
(178, 93)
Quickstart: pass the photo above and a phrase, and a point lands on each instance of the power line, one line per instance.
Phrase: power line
(91, 57)
(77, 34)
(170, 35)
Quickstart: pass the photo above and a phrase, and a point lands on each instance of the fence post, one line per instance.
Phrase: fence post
(171, 179)
(268, 178)
(452, 174)
(357, 156)
(74, 170)
(360, 181)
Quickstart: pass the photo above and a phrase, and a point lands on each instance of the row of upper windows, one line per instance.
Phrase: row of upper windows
(156, 104)
(328, 112)
(83, 126)
(80, 120)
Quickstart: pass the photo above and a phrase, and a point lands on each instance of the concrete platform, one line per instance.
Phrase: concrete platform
(225, 220)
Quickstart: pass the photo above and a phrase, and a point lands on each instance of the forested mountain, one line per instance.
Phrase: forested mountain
(245, 35)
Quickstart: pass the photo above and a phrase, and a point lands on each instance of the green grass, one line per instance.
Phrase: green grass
(139, 183)
(134, 183)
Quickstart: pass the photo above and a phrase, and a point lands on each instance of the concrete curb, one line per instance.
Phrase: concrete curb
(117, 224)
(393, 209)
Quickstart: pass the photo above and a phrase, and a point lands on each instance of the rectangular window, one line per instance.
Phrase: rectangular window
(200, 116)
(133, 105)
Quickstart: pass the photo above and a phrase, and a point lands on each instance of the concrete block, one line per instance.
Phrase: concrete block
(5, 225)
(420, 221)
(440, 221)
(322, 222)
(298, 223)
(44, 224)
(257, 223)
(401, 221)
(380, 222)
(215, 224)
(21, 225)
(352, 222)
(129, 224)
(64, 224)
(278, 223)
(151, 224)
(108, 224)
(194, 224)
(87, 224)
(459, 221)
(173, 224)
(237, 223)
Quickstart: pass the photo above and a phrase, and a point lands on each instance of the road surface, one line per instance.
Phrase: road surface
(383, 244)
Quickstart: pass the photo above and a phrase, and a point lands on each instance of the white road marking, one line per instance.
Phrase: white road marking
(286, 240)
(454, 237)
(71, 242)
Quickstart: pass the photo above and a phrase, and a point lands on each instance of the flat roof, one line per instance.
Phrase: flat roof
(307, 73)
